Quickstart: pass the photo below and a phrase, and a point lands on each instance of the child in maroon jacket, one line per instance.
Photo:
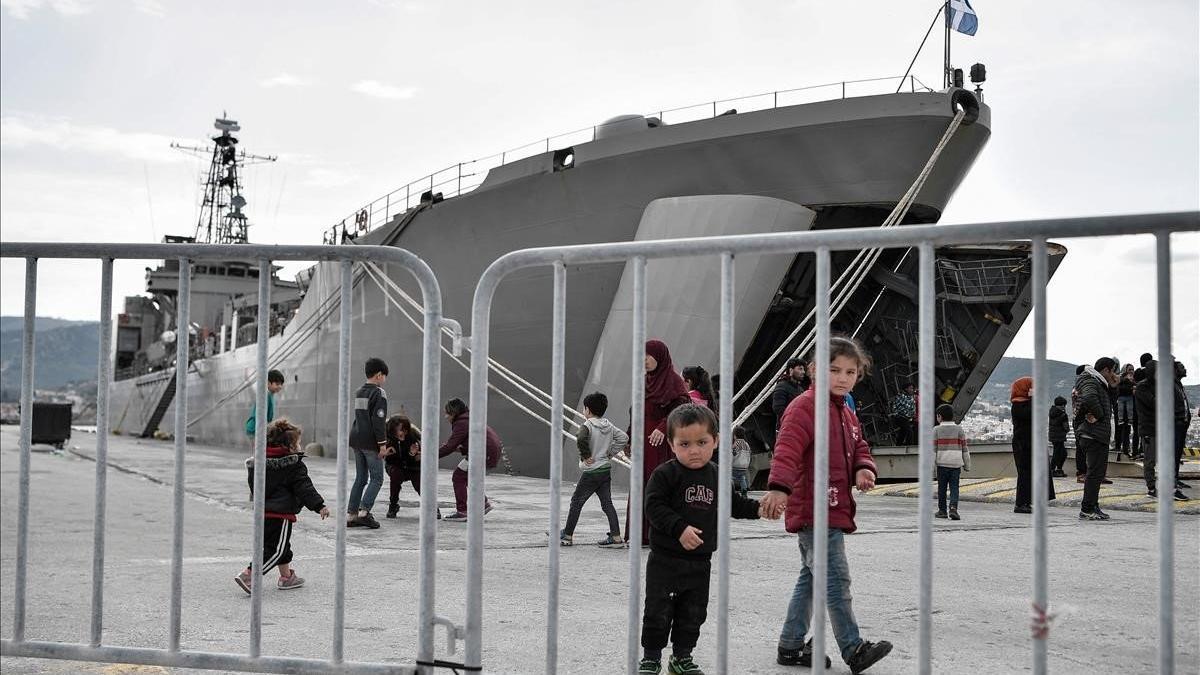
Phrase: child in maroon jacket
(791, 484)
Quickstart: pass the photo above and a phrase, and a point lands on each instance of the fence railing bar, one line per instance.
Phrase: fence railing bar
(637, 425)
(725, 465)
(927, 399)
(1041, 467)
(558, 359)
(1164, 448)
(196, 659)
(343, 456)
(27, 365)
(257, 574)
(182, 322)
(820, 485)
(104, 369)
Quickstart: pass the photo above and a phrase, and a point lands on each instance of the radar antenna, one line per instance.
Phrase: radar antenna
(222, 217)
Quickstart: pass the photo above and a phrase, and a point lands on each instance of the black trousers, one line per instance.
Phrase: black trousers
(277, 543)
(397, 474)
(676, 602)
(1081, 465)
(599, 484)
(1059, 457)
(1149, 462)
(1096, 453)
(1022, 458)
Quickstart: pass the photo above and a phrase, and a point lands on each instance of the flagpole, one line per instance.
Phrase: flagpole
(946, 66)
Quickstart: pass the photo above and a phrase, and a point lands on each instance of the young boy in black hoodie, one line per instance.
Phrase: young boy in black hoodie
(288, 489)
(681, 505)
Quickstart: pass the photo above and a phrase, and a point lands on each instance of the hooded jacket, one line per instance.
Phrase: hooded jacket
(792, 465)
(598, 440)
(460, 434)
(1060, 424)
(370, 411)
(288, 487)
(1091, 396)
(1144, 399)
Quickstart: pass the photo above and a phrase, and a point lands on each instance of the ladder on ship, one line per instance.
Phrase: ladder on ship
(164, 402)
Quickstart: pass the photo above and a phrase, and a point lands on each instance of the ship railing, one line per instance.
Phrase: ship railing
(174, 655)
(462, 177)
(924, 238)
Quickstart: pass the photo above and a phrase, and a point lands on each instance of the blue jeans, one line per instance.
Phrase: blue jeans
(799, 612)
(948, 476)
(739, 480)
(362, 493)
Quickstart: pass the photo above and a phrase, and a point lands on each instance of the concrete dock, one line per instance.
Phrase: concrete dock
(1103, 575)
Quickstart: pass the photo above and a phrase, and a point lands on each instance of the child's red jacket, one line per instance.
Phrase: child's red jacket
(792, 465)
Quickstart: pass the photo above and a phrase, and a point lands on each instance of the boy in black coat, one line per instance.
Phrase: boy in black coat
(288, 489)
(681, 505)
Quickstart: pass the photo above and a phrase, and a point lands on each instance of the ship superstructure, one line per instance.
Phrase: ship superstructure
(224, 296)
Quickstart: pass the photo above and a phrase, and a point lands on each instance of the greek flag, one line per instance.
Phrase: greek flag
(962, 16)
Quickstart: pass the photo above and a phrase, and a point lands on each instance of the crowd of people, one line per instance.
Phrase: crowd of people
(1110, 409)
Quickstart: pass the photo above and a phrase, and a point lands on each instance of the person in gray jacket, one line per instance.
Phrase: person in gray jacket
(1093, 419)
(598, 440)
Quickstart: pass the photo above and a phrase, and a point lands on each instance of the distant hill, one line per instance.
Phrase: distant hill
(17, 323)
(65, 352)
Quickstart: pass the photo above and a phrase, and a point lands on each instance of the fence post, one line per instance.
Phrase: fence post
(27, 365)
(343, 453)
(637, 425)
(1164, 419)
(182, 323)
(820, 485)
(725, 465)
(1041, 469)
(103, 377)
(257, 574)
(557, 359)
(925, 359)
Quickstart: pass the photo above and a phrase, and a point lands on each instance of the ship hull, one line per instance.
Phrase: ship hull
(849, 161)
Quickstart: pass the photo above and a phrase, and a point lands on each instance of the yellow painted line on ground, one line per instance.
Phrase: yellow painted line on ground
(974, 487)
(1121, 499)
(1065, 493)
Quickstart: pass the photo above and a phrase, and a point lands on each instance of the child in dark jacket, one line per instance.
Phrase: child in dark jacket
(791, 486)
(288, 489)
(681, 505)
(403, 462)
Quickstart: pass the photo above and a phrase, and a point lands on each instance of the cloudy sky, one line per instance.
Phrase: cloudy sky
(1094, 112)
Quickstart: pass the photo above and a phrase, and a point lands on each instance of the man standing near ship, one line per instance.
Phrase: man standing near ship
(1094, 430)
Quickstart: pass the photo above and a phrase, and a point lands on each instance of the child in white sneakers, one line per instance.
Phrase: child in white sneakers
(598, 440)
(951, 457)
(288, 489)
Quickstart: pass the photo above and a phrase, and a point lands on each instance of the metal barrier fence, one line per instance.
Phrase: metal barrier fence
(253, 660)
(924, 238)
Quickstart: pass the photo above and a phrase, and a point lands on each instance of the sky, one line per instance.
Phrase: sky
(1094, 111)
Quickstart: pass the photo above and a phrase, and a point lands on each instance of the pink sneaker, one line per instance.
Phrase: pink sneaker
(243, 580)
(290, 582)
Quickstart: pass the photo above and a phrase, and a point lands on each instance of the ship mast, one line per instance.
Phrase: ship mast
(222, 218)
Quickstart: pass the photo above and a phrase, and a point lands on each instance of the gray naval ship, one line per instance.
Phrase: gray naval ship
(828, 164)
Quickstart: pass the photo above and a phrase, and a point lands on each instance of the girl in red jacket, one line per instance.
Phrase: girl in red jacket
(791, 486)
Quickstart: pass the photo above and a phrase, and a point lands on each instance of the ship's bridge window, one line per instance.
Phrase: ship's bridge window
(219, 271)
(201, 269)
(252, 273)
(237, 272)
